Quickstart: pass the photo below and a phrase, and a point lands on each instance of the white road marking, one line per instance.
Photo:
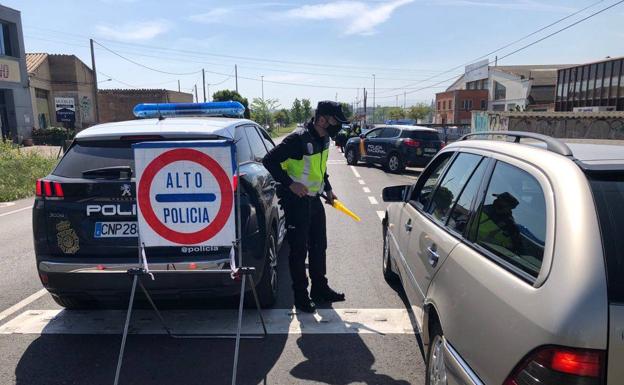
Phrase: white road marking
(360, 181)
(278, 321)
(23, 303)
(366, 189)
(372, 200)
(336, 161)
(355, 172)
(381, 215)
(16, 211)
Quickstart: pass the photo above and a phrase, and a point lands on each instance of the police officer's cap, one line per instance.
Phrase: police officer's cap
(329, 108)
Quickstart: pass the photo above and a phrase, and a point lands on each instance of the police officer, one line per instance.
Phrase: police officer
(299, 165)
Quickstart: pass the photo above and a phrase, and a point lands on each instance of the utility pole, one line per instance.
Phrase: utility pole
(365, 97)
(208, 88)
(266, 112)
(374, 105)
(179, 85)
(196, 98)
(404, 95)
(204, 83)
(236, 76)
(496, 61)
(95, 83)
(397, 100)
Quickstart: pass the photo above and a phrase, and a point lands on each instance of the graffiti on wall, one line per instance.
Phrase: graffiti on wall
(485, 121)
(85, 108)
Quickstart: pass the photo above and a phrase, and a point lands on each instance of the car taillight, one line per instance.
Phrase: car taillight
(49, 189)
(235, 182)
(560, 366)
(412, 143)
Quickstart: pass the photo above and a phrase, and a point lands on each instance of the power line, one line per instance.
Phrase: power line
(514, 42)
(539, 40)
(143, 65)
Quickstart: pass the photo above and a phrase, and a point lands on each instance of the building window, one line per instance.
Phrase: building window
(498, 107)
(439, 106)
(621, 93)
(450, 105)
(614, 81)
(584, 82)
(444, 104)
(5, 40)
(483, 104)
(599, 80)
(559, 86)
(500, 92)
(511, 107)
(606, 85)
(468, 105)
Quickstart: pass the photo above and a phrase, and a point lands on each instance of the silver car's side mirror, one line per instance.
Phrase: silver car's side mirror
(395, 193)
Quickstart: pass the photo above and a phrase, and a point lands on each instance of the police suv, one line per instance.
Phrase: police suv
(394, 147)
(84, 216)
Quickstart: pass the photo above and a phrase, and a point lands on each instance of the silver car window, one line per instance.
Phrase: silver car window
(421, 195)
(453, 182)
(458, 220)
(512, 221)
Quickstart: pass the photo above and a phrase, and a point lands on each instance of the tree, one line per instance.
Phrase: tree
(261, 110)
(347, 110)
(307, 109)
(395, 113)
(419, 111)
(227, 95)
(282, 117)
(296, 112)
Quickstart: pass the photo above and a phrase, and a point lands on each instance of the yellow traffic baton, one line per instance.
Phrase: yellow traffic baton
(343, 209)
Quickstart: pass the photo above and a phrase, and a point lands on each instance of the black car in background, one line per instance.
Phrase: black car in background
(84, 217)
(394, 147)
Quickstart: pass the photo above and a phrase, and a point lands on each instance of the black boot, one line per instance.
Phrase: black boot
(304, 303)
(326, 294)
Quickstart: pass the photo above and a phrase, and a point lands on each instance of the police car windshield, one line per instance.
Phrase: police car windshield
(87, 159)
(421, 135)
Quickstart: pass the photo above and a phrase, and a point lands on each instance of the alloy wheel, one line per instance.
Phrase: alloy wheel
(437, 368)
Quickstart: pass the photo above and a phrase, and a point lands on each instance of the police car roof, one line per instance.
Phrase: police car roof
(406, 127)
(173, 127)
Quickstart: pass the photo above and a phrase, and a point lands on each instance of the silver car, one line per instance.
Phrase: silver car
(512, 257)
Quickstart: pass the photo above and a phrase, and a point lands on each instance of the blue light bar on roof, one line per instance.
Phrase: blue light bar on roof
(157, 110)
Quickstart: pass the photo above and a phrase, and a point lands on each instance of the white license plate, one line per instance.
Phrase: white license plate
(115, 230)
(430, 150)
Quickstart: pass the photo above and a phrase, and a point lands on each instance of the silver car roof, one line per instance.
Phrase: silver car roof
(178, 127)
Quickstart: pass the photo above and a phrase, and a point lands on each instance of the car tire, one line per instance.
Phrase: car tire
(352, 157)
(71, 303)
(386, 265)
(267, 287)
(436, 368)
(395, 163)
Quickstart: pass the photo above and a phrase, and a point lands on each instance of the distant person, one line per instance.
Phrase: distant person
(299, 165)
(497, 224)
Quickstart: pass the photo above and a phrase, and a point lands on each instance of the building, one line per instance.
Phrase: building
(116, 105)
(512, 88)
(61, 83)
(16, 116)
(456, 106)
(592, 87)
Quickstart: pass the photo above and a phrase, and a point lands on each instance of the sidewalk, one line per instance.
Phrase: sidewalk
(47, 151)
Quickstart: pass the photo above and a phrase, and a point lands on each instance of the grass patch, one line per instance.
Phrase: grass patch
(19, 170)
(283, 130)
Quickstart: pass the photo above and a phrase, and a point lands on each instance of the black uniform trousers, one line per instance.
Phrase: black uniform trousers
(306, 232)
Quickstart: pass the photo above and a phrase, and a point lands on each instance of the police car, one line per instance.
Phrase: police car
(84, 217)
(394, 147)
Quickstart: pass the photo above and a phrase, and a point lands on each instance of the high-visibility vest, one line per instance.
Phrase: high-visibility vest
(309, 170)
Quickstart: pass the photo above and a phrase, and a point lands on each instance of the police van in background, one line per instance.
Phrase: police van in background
(84, 216)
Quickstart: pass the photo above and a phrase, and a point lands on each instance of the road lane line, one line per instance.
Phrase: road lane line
(372, 200)
(355, 172)
(360, 181)
(278, 321)
(16, 211)
(366, 189)
(381, 215)
(23, 303)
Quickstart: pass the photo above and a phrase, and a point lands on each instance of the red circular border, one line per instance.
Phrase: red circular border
(225, 187)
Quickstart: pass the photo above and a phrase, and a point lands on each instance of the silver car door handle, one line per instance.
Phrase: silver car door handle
(408, 226)
(433, 256)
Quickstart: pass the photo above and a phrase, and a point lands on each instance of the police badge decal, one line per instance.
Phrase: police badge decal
(67, 238)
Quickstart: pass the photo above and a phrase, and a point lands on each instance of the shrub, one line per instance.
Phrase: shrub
(54, 136)
(19, 170)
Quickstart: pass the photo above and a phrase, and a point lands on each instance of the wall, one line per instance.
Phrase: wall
(72, 78)
(517, 89)
(599, 125)
(117, 105)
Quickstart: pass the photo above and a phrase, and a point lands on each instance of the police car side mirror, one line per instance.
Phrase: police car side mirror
(394, 193)
(361, 136)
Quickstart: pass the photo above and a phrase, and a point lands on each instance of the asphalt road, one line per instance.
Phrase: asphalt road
(329, 352)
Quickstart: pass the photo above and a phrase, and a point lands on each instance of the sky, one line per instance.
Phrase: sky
(407, 50)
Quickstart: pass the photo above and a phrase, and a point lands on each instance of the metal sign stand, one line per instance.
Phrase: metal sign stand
(242, 273)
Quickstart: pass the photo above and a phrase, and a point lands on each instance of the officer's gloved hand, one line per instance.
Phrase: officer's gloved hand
(330, 197)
